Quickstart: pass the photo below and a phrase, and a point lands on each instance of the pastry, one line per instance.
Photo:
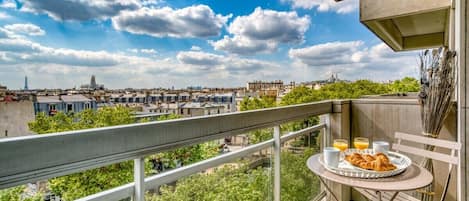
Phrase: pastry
(377, 162)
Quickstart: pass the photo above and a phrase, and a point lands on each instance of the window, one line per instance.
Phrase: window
(69, 107)
(182, 111)
(52, 109)
(87, 106)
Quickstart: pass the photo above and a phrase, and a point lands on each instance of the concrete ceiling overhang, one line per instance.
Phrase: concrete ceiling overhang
(408, 24)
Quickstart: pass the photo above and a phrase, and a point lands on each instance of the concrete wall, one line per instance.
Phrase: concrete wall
(14, 118)
(378, 119)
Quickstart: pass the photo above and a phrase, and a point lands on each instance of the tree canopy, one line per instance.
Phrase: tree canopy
(344, 90)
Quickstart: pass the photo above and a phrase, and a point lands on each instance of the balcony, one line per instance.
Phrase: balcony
(34, 158)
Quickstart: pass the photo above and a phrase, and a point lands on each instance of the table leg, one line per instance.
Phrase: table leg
(379, 195)
(394, 196)
(327, 188)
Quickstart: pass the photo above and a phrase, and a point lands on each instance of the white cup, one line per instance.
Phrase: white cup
(331, 156)
(381, 146)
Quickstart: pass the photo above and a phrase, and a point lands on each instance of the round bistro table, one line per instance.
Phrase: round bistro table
(414, 177)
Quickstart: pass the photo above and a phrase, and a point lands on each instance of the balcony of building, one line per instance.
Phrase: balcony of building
(34, 158)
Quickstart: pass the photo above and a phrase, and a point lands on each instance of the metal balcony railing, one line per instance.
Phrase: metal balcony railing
(64, 153)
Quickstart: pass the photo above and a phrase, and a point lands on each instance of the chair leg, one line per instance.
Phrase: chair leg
(394, 196)
(320, 196)
(445, 190)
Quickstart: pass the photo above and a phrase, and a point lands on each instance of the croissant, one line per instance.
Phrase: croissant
(377, 162)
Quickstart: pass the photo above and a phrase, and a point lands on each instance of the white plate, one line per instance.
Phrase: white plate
(346, 169)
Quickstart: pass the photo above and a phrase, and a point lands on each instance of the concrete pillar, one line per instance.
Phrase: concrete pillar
(462, 48)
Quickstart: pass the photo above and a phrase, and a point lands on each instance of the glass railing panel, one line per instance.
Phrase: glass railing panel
(248, 179)
(298, 183)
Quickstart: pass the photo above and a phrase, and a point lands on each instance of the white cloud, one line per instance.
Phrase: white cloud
(333, 53)
(79, 10)
(193, 21)
(230, 64)
(23, 50)
(262, 31)
(8, 4)
(354, 60)
(133, 50)
(4, 33)
(199, 58)
(152, 2)
(3, 15)
(244, 46)
(195, 48)
(29, 29)
(143, 51)
(148, 51)
(342, 7)
(19, 45)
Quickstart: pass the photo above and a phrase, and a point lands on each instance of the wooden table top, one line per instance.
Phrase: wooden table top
(414, 177)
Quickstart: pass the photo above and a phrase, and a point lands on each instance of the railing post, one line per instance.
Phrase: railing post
(327, 130)
(139, 179)
(277, 151)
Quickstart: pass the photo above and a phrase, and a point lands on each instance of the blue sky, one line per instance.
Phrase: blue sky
(157, 43)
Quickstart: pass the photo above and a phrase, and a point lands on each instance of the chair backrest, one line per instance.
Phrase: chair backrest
(452, 159)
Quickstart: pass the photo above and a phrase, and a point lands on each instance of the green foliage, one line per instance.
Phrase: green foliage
(260, 135)
(298, 182)
(226, 183)
(258, 103)
(242, 183)
(343, 90)
(85, 183)
(11, 194)
(188, 155)
(168, 117)
(407, 84)
(17, 193)
(106, 116)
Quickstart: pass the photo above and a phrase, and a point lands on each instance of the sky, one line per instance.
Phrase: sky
(180, 43)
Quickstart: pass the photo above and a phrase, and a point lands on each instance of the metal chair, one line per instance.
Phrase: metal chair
(451, 159)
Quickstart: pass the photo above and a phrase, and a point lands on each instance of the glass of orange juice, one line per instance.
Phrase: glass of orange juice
(361, 143)
(342, 145)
